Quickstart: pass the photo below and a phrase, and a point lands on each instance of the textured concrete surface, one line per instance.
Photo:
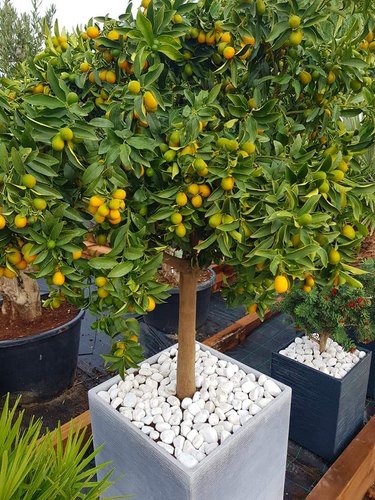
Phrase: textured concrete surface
(249, 465)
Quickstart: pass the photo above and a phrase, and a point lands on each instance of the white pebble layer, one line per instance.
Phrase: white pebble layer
(334, 361)
(194, 427)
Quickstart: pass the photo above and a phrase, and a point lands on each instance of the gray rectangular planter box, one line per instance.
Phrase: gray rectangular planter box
(326, 412)
(249, 465)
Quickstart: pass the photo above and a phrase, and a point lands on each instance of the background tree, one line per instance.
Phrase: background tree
(210, 130)
(21, 35)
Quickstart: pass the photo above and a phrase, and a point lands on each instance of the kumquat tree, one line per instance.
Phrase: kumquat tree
(194, 133)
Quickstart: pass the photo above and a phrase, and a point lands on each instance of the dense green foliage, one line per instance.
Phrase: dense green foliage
(21, 35)
(230, 143)
(31, 468)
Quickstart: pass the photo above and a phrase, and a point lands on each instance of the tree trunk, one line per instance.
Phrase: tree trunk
(21, 298)
(186, 333)
(323, 339)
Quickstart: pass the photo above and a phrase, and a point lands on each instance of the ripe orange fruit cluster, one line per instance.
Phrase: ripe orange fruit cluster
(368, 42)
(224, 42)
(17, 259)
(196, 194)
(308, 284)
(110, 209)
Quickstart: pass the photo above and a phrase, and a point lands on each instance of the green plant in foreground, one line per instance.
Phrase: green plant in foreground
(36, 467)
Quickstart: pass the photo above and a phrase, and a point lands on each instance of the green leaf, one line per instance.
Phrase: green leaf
(296, 145)
(92, 172)
(161, 214)
(277, 30)
(53, 82)
(206, 243)
(354, 63)
(138, 142)
(134, 253)
(47, 101)
(17, 162)
(120, 270)
(170, 52)
(214, 92)
(101, 123)
(102, 262)
(351, 281)
(145, 27)
(153, 74)
(354, 270)
(44, 190)
(4, 162)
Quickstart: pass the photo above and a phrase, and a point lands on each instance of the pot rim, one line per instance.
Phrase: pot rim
(42, 335)
(201, 286)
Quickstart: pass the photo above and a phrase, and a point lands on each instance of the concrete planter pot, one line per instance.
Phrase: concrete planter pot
(327, 412)
(249, 465)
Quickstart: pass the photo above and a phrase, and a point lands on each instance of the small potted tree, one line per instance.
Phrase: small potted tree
(327, 373)
(215, 130)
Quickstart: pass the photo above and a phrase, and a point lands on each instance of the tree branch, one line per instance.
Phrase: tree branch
(182, 265)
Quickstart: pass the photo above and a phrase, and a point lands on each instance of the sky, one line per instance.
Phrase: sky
(73, 12)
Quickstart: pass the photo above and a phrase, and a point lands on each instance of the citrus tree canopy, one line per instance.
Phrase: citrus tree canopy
(220, 129)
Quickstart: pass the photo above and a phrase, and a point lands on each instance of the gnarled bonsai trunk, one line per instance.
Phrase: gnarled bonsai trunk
(323, 339)
(21, 298)
(186, 333)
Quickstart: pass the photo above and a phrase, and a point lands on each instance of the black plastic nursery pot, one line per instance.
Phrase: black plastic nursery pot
(42, 366)
(326, 412)
(165, 316)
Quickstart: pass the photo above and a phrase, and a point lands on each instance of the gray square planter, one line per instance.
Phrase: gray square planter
(249, 465)
(326, 412)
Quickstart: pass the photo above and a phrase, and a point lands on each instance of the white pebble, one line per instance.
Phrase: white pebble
(154, 435)
(248, 386)
(209, 434)
(162, 426)
(104, 395)
(167, 436)
(187, 460)
(272, 388)
(167, 447)
(116, 402)
(194, 408)
(130, 400)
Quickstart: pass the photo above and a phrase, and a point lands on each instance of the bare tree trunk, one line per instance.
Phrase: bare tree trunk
(186, 334)
(323, 339)
(21, 297)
